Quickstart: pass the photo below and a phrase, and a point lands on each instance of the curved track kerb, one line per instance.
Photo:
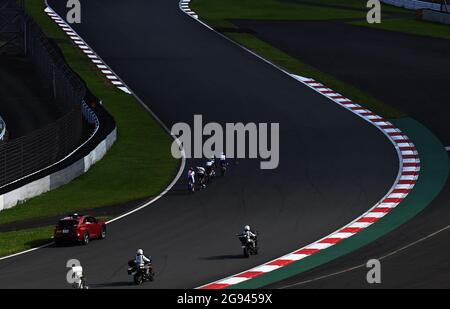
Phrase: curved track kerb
(409, 169)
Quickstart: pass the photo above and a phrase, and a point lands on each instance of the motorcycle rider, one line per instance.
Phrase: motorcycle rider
(223, 163)
(79, 279)
(251, 237)
(223, 159)
(210, 167)
(191, 175)
(201, 174)
(141, 261)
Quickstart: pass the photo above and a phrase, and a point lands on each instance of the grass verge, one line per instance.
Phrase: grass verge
(139, 165)
(17, 241)
(217, 10)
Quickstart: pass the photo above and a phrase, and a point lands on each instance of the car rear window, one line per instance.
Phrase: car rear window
(67, 223)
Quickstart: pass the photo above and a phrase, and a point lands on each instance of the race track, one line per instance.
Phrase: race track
(333, 165)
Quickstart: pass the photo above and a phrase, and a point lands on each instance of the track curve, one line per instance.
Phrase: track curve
(333, 165)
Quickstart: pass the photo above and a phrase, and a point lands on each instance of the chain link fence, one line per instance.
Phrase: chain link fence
(11, 26)
(67, 88)
(2, 129)
(25, 155)
(438, 5)
(31, 153)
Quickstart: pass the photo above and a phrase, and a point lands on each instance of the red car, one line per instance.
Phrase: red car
(79, 228)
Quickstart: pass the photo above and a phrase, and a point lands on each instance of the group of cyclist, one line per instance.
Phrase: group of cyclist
(200, 175)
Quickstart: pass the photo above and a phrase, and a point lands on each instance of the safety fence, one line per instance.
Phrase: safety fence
(66, 87)
(437, 5)
(89, 116)
(2, 129)
(25, 155)
(31, 153)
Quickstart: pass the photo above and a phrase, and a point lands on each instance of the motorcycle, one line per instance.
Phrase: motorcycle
(81, 284)
(80, 280)
(210, 174)
(201, 180)
(191, 186)
(140, 274)
(249, 247)
(223, 168)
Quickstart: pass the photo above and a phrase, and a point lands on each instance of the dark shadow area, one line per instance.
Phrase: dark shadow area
(24, 104)
(234, 30)
(225, 257)
(40, 242)
(66, 244)
(111, 284)
(109, 210)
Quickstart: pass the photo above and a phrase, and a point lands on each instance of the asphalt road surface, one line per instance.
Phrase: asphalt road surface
(333, 165)
(407, 72)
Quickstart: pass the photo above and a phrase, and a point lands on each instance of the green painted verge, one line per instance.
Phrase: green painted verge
(433, 176)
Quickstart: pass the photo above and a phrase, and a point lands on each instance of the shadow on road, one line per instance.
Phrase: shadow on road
(225, 257)
(111, 284)
(39, 242)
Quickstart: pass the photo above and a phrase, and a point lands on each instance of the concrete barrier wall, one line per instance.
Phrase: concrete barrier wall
(59, 178)
(415, 4)
(435, 16)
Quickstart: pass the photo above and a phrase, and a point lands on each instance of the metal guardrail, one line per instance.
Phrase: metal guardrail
(441, 17)
(2, 129)
(89, 115)
(417, 4)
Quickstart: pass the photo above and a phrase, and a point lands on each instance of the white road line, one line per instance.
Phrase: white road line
(26, 251)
